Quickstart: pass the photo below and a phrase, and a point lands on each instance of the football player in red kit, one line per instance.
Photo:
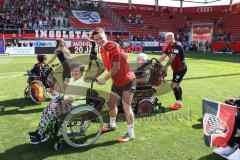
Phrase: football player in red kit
(175, 53)
(124, 82)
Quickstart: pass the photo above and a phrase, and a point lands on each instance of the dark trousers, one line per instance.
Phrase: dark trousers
(233, 140)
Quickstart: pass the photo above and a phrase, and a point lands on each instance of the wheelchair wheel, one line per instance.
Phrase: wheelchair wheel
(145, 107)
(161, 109)
(82, 126)
(58, 146)
(36, 91)
(54, 91)
(26, 93)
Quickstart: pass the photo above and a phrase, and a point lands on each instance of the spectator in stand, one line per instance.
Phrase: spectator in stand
(27, 15)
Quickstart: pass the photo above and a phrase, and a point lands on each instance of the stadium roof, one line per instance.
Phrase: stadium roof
(173, 3)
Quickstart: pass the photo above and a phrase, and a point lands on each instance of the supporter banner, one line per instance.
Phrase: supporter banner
(80, 43)
(20, 50)
(138, 46)
(136, 43)
(87, 49)
(43, 43)
(78, 47)
(87, 17)
(65, 34)
(49, 43)
(202, 32)
(48, 34)
(150, 44)
(218, 122)
(139, 49)
(45, 34)
(1, 46)
(74, 50)
(133, 49)
(235, 46)
(221, 45)
(139, 43)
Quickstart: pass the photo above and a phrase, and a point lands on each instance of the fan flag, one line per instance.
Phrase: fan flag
(218, 122)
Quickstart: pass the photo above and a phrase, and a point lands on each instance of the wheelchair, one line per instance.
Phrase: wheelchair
(144, 102)
(43, 86)
(80, 127)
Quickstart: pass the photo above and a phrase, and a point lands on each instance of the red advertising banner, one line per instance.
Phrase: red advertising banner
(220, 45)
(202, 32)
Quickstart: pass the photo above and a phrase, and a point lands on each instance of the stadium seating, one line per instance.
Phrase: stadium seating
(231, 25)
(153, 23)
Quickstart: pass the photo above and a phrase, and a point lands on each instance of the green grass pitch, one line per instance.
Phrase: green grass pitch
(174, 135)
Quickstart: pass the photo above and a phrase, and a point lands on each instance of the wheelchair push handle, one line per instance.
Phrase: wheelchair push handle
(93, 79)
(54, 65)
(155, 59)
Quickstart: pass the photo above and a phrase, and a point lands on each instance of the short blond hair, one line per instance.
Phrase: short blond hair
(143, 56)
(169, 34)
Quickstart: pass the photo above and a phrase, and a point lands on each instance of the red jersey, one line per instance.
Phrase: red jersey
(179, 61)
(111, 53)
(37, 68)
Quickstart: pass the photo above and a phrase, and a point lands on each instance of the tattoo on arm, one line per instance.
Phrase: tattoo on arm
(171, 58)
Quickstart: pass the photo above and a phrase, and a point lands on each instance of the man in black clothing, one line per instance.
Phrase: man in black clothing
(175, 53)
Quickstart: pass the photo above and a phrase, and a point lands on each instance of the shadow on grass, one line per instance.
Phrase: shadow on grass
(17, 111)
(19, 103)
(212, 157)
(28, 151)
(198, 125)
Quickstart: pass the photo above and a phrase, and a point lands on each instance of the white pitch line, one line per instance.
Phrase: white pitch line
(11, 72)
(11, 76)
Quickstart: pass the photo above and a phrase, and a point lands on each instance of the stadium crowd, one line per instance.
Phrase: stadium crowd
(224, 36)
(34, 14)
(85, 4)
(134, 19)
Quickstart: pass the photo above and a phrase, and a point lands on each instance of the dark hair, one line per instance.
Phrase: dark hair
(79, 66)
(97, 31)
(41, 58)
(59, 41)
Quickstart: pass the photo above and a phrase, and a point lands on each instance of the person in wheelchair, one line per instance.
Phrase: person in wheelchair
(58, 107)
(230, 150)
(36, 70)
(147, 77)
(140, 73)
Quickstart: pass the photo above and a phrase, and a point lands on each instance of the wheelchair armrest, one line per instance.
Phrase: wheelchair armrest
(80, 99)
